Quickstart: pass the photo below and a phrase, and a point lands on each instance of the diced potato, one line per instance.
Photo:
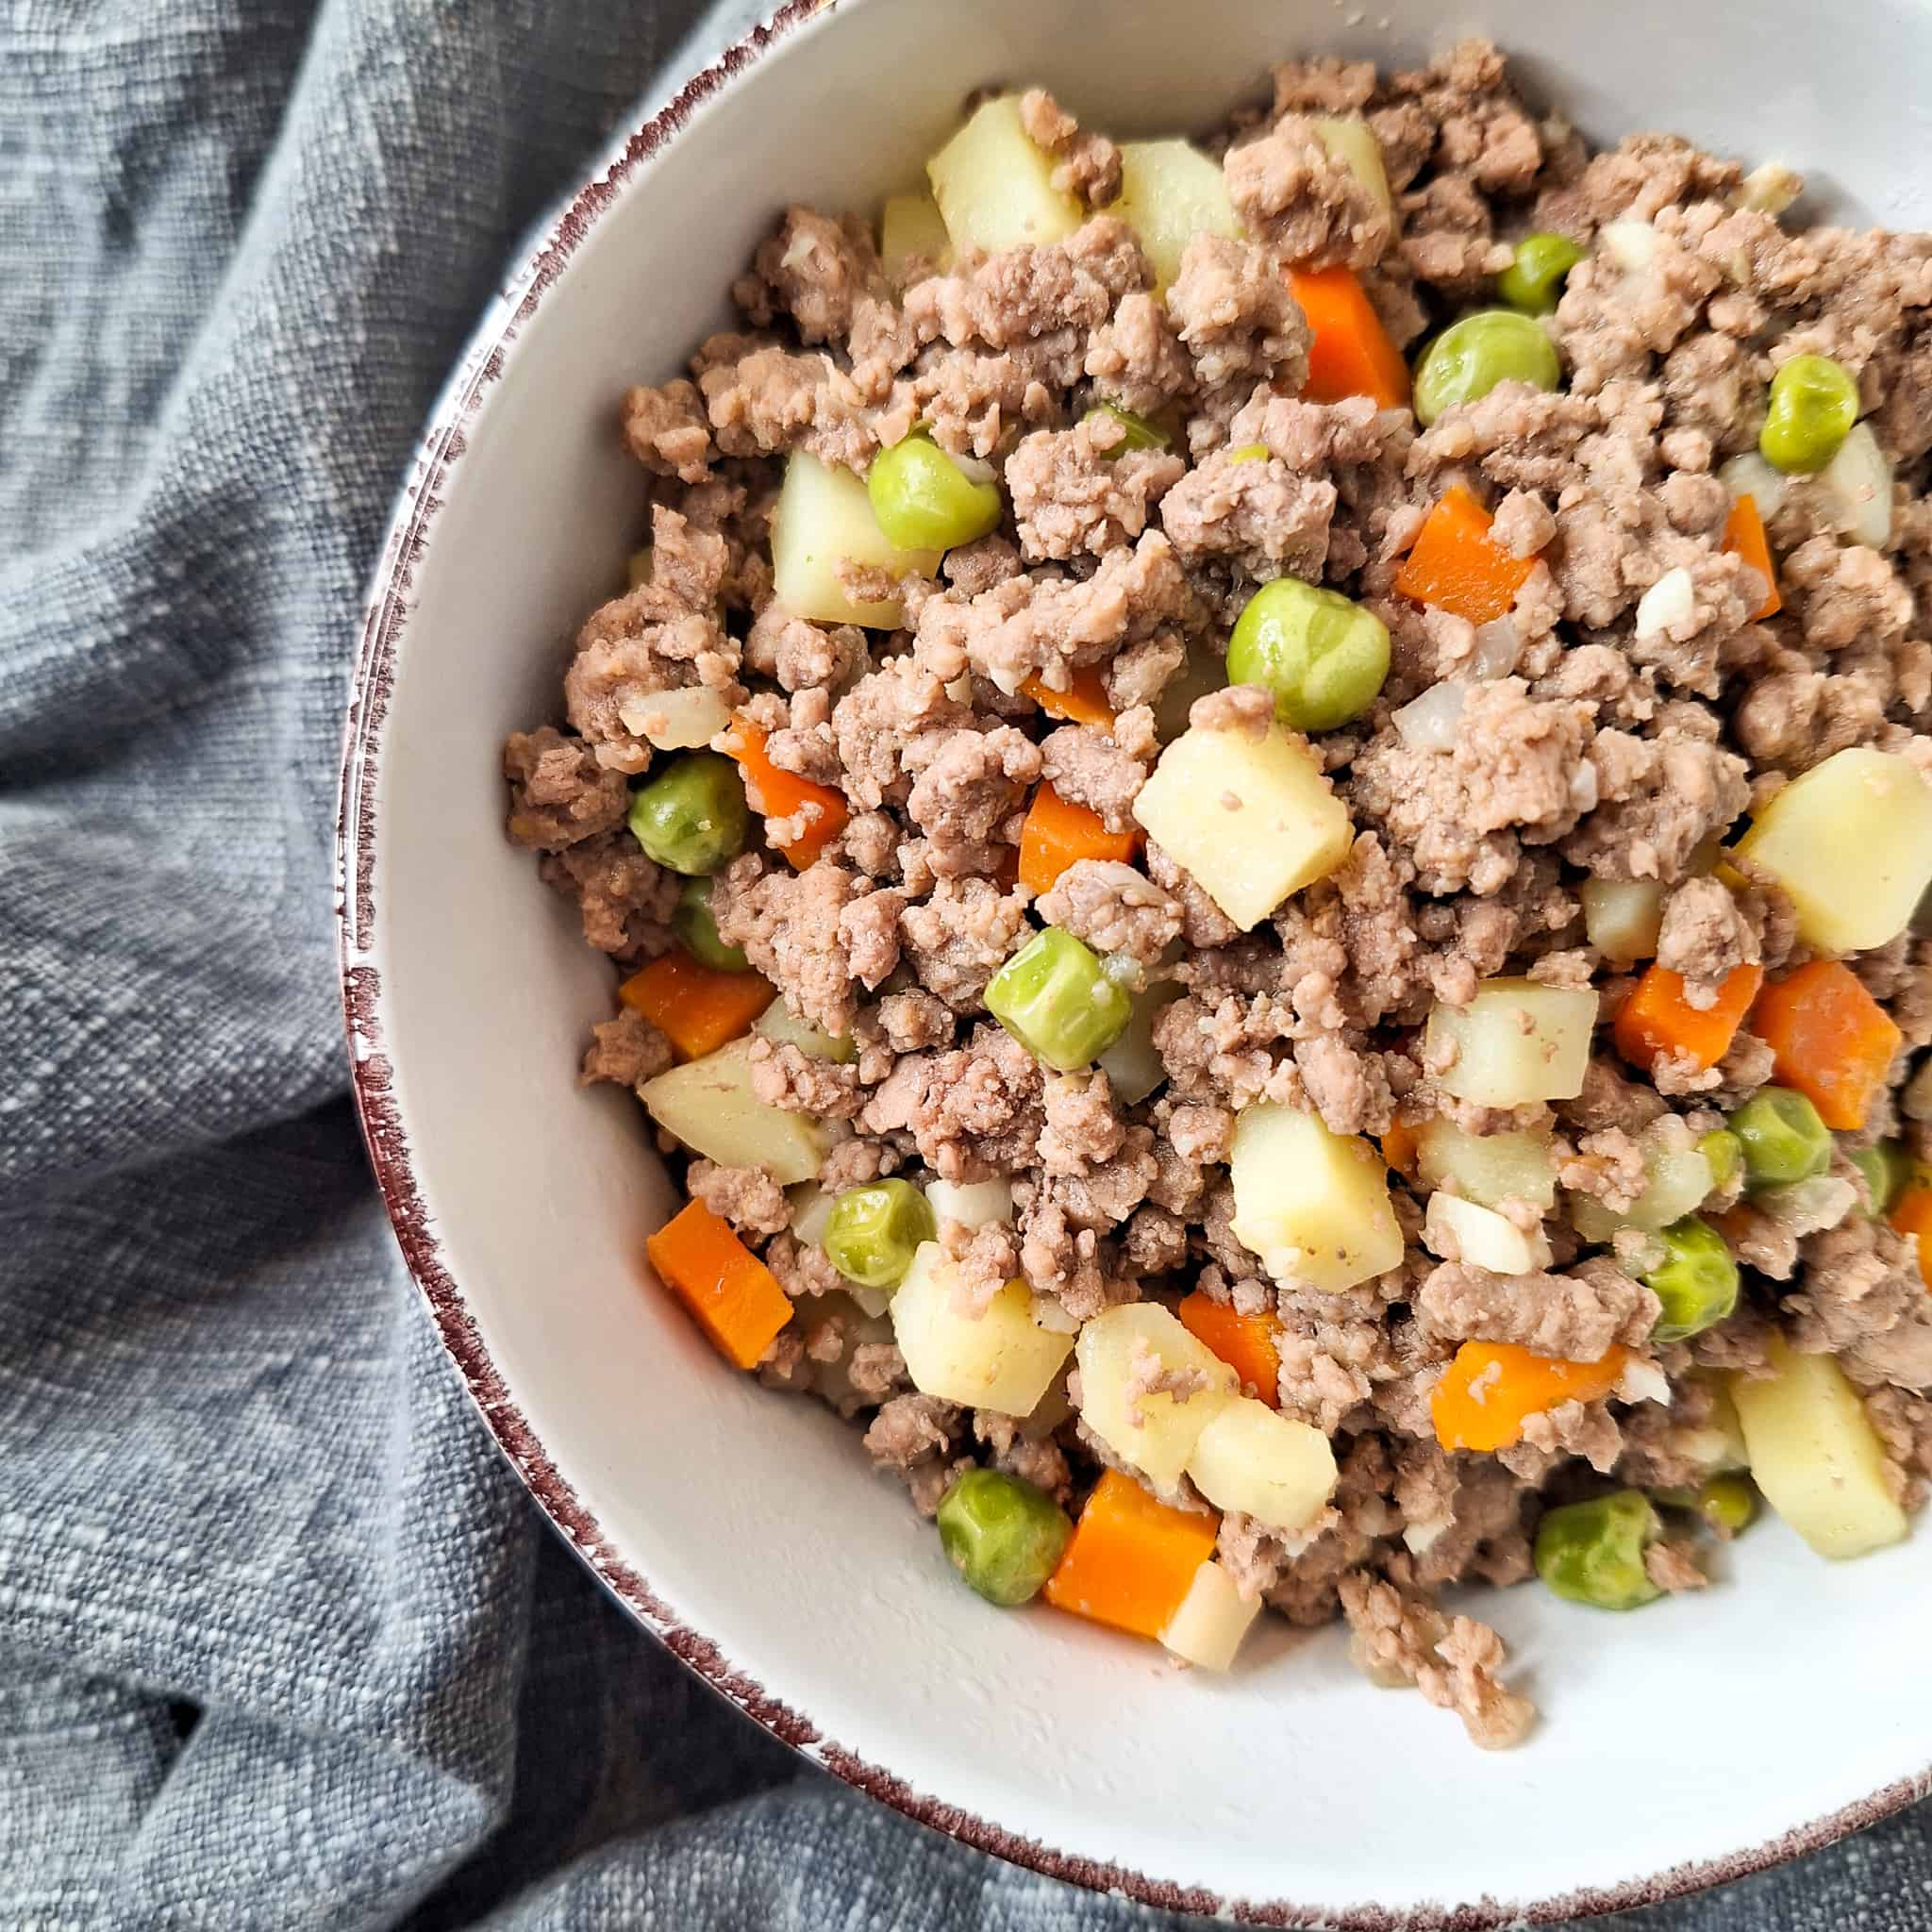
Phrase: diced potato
(1252, 819)
(711, 1106)
(1207, 1627)
(1851, 842)
(1515, 1043)
(824, 517)
(779, 1023)
(1487, 1168)
(1816, 1456)
(1117, 1353)
(1459, 1230)
(1678, 1181)
(1001, 1360)
(1858, 488)
(1169, 192)
(974, 1205)
(911, 230)
(994, 187)
(1280, 1471)
(1622, 917)
(677, 720)
(1133, 1069)
(1313, 1204)
(1352, 141)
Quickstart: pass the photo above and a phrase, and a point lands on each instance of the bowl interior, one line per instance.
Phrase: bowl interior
(1689, 1736)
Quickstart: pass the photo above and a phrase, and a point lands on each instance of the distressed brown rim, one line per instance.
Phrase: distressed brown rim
(385, 628)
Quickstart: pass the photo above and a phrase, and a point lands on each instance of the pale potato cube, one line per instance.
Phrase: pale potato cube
(1169, 192)
(824, 517)
(1461, 1230)
(1352, 142)
(1622, 917)
(1252, 819)
(994, 187)
(1487, 1168)
(811, 1211)
(1515, 1043)
(1678, 1180)
(709, 1105)
(1210, 1622)
(1313, 1204)
(677, 720)
(1851, 842)
(780, 1023)
(911, 230)
(1001, 1360)
(974, 1204)
(1250, 1458)
(1123, 1351)
(1816, 1456)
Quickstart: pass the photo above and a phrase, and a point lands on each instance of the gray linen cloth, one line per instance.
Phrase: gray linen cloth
(282, 1642)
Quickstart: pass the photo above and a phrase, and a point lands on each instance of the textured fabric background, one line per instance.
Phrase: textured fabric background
(281, 1642)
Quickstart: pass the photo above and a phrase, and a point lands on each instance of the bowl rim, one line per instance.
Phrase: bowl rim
(386, 620)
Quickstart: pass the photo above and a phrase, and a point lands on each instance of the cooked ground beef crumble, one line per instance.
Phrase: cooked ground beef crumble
(1633, 705)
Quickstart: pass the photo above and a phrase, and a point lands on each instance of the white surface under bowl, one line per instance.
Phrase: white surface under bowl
(1706, 1736)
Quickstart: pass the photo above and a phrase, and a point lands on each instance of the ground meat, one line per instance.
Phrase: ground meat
(624, 900)
(1235, 316)
(1862, 1300)
(1257, 514)
(747, 1197)
(667, 431)
(968, 798)
(810, 933)
(1114, 908)
(1089, 164)
(959, 937)
(1080, 490)
(973, 1111)
(1673, 1565)
(627, 1050)
(1089, 767)
(1661, 798)
(1575, 1317)
(800, 655)
(559, 792)
(1705, 937)
(915, 1434)
(1306, 204)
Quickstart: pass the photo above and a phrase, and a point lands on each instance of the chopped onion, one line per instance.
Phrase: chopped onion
(811, 1209)
(974, 470)
(1668, 606)
(1643, 1381)
(1857, 486)
(1810, 1206)
(1751, 475)
(1769, 189)
(1498, 649)
(1634, 246)
(1430, 723)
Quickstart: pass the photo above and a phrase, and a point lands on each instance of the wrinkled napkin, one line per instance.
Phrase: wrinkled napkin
(282, 1641)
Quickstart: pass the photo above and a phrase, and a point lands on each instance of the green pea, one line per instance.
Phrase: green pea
(1783, 1139)
(1886, 1169)
(1471, 357)
(1137, 431)
(874, 1232)
(1696, 1280)
(1592, 1553)
(1534, 280)
(1323, 656)
(1724, 1154)
(1249, 453)
(697, 931)
(1056, 999)
(922, 500)
(1003, 1535)
(1727, 1503)
(692, 818)
(1814, 403)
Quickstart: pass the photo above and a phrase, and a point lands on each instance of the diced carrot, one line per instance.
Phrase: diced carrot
(1401, 1146)
(777, 794)
(1744, 537)
(1833, 1042)
(1351, 354)
(1244, 1342)
(1058, 835)
(1458, 567)
(697, 1006)
(1492, 1387)
(1084, 701)
(1911, 1213)
(1657, 1021)
(735, 1298)
(1131, 1559)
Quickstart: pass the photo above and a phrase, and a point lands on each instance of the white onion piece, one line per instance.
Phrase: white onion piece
(1430, 723)
(974, 470)
(1498, 649)
(811, 1211)
(1769, 189)
(1751, 475)
(1634, 246)
(1857, 485)
(1668, 606)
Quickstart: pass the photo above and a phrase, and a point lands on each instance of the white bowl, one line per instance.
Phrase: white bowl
(1703, 1739)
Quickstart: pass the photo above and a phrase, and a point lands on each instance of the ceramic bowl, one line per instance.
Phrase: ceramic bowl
(1705, 1737)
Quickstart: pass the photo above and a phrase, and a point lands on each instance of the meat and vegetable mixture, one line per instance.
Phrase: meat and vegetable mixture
(1263, 803)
